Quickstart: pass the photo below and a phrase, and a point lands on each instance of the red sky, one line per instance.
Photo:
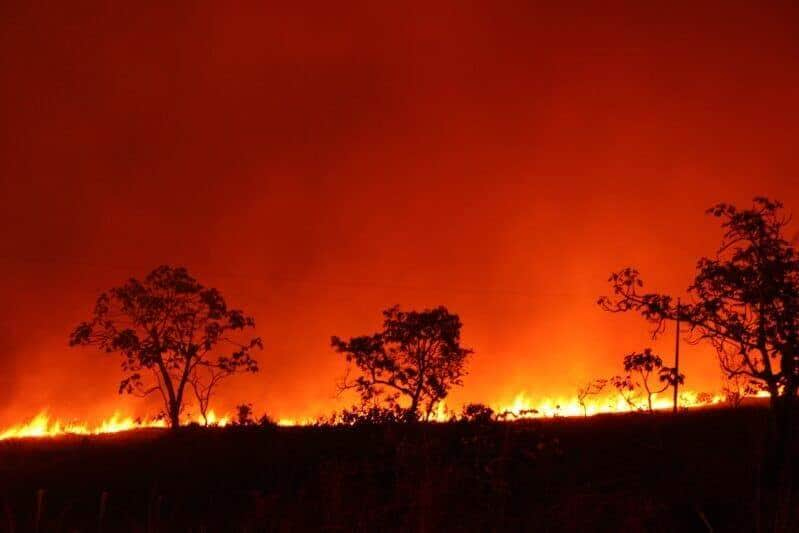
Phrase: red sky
(321, 162)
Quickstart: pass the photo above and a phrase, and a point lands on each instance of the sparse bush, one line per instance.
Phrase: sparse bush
(642, 365)
(266, 421)
(626, 388)
(477, 412)
(244, 415)
(737, 387)
(375, 415)
(592, 388)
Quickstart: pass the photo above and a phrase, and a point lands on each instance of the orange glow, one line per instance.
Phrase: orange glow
(523, 407)
(520, 407)
(319, 165)
(43, 425)
(289, 422)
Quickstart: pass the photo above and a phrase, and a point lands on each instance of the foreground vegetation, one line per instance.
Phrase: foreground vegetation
(635, 472)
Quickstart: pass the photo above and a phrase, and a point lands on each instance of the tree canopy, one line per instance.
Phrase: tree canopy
(411, 364)
(744, 300)
(640, 366)
(171, 331)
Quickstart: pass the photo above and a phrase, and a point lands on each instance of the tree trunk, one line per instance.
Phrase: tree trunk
(174, 415)
(411, 414)
(413, 411)
(775, 506)
(774, 396)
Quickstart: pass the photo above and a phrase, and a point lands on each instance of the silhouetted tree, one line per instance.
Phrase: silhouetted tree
(477, 412)
(745, 302)
(171, 332)
(626, 388)
(244, 415)
(266, 421)
(736, 387)
(411, 364)
(592, 388)
(642, 365)
(745, 299)
(204, 380)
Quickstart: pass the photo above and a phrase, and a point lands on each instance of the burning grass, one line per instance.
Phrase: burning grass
(522, 406)
(43, 425)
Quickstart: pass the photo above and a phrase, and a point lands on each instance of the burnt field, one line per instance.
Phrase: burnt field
(633, 472)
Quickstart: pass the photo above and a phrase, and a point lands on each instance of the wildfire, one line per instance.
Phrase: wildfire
(524, 407)
(42, 425)
(290, 422)
(521, 406)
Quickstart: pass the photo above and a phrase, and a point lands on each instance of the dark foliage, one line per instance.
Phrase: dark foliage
(477, 412)
(244, 415)
(745, 302)
(639, 366)
(745, 299)
(368, 415)
(172, 332)
(410, 365)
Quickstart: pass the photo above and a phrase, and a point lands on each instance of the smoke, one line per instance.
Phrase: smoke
(8, 366)
(499, 160)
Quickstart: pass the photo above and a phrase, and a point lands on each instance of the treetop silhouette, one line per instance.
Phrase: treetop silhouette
(411, 364)
(640, 366)
(171, 332)
(745, 299)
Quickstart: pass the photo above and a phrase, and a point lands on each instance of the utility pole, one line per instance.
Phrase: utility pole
(677, 359)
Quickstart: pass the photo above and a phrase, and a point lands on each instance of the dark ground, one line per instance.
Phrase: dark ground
(606, 473)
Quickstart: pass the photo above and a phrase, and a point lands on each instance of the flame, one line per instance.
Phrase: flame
(441, 413)
(213, 420)
(42, 425)
(291, 422)
(520, 406)
(523, 406)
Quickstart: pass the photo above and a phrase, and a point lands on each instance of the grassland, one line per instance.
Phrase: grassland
(630, 472)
